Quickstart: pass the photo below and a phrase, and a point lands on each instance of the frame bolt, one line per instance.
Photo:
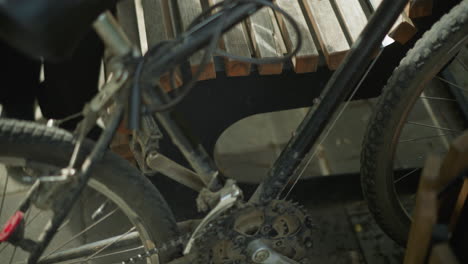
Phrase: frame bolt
(261, 255)
(266, 229)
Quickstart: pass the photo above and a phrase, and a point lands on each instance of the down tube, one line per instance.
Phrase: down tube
(338, 88)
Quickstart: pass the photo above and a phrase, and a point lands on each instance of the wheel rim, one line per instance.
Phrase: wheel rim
(112, 207)
(447, 133)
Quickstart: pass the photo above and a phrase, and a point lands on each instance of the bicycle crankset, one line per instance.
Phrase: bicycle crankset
(281, 228)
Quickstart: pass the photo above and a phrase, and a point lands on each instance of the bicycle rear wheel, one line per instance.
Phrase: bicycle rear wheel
(406, 90)
(118, 203)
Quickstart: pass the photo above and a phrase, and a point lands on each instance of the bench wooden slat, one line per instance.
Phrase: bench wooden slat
(403, 29)
(158, 21)
(306, 60)
(126, 14)
(327, 27)
(262, 33)
(353, 15)
(159, 27)
(235, 41)
(419, 8)
(279, 41)
(189, 10)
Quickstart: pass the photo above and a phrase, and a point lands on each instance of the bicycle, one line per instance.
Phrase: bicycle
(262, 230)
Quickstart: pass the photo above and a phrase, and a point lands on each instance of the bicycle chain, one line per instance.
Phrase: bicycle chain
(179, 241)
(213, 229)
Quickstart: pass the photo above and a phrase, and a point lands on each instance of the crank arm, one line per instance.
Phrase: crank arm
(175, 171)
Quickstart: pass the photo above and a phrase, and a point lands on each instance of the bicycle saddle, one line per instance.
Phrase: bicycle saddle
(50, 29)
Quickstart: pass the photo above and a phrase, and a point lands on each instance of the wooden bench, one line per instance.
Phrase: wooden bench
(329, 28)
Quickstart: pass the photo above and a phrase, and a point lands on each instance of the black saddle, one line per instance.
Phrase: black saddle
(50, 29)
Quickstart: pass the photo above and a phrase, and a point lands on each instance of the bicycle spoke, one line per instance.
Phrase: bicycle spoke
(452, 84)
(82, 232)
(462, 63)
(332, 124)
(12, 256)
(3, 248)
(63, 225)
(112, 254)
(422, 138)
(405, 176)
(26, 217)
(34, 218)
(124, 241)
(4, 193)
(110, 244)
(100, 210)
(437, 98)
(431, 126)
(68, 118)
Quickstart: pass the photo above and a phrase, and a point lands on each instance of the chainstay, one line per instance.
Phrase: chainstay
(179, 241)
(183, 239)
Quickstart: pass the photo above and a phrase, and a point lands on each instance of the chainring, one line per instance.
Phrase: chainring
(282, 225)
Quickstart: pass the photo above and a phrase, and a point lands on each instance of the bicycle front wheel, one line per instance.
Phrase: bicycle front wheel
(411, 87)
(119, 204)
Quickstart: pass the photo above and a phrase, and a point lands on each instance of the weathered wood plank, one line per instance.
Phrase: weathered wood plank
(235, 41)
(279, 41)
(459, 204)
(419, 8)
(424, 213)
(327, 27)
(306, 60)
(189, 10)
(403, 29)
(158, 19)
(159, 27)
(262, 33)
(126, 15)
(353, 16)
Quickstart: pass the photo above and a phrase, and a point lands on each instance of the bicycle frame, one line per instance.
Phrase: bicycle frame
(338, 88)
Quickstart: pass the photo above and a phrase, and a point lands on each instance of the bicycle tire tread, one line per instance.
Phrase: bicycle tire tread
(412, 65)
(25, 133)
